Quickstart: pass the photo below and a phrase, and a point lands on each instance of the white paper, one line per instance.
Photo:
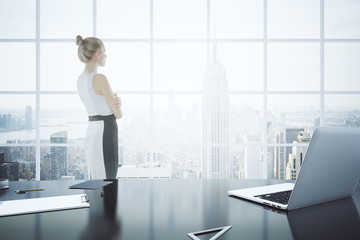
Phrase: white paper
(35, 205)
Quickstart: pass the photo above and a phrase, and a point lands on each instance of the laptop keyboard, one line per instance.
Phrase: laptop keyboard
(278, 197)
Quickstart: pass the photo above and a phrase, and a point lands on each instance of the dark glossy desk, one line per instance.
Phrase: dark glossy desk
(169, 209)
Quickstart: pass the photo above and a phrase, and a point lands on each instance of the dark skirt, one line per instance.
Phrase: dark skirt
(108, 131)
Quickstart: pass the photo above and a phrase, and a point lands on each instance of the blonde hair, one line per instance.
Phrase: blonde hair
(87, 47)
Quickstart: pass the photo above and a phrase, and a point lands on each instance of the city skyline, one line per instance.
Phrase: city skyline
(189, 165)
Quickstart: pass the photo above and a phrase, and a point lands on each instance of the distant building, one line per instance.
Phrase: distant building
(241, 173)
(270, 151)
(279, 157)
(153, 157)
(5, 121)
(2, 157)
(58, 155)
(3, 170)
(291, 135)
(2, 121)
(255, 167)
(296, 157)
(45, 167)
(215, 129)
(8, 121)
(144, 171)
(28, 118)
(10, 171)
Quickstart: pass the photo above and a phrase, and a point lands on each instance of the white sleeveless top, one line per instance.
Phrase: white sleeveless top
(94, 104)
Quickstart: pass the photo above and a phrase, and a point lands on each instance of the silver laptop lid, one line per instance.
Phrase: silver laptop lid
(331, 167)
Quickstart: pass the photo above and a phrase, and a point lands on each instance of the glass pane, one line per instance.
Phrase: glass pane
(134, 131)
(179, 66)
(285, 162)
(17, 118)
(291, 119)
(179, 19)
(66, 18)
(290, 114)
(248, 162)
(18, 67)
(17, 163)
(69, 121)
(342, 66)
(123, 19)
(17, 19)
(243, 64)
(59, 66)
(177, 132)
(237, 161)
(293, 19)
(127, 66)
(342, 110)
(342, 19)
(277, 158)
(63, 162)
(246, 117)
(294, 66)
(236, 19)
(62, 114)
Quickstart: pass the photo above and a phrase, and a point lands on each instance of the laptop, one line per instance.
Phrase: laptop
(330, 171)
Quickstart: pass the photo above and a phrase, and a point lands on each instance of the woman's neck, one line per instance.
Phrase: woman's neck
(90, 67)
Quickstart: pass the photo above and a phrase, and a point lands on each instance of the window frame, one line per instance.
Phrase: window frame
(152, 92)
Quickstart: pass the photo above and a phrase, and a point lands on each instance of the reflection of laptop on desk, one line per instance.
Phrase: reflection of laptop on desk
(332, 220)
(330, 171)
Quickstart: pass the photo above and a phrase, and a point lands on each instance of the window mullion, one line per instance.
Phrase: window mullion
(37, 171)
(322, 79)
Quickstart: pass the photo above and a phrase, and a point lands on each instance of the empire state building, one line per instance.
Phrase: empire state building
(215, 129)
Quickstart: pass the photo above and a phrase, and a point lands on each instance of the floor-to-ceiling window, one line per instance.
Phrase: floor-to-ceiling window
(209, 88)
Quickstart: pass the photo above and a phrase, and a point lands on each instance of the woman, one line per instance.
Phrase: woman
(103, 108)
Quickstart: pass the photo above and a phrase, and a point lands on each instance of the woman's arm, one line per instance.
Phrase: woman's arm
(102, 87)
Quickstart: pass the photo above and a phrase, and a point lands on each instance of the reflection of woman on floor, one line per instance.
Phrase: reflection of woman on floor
(103, 108)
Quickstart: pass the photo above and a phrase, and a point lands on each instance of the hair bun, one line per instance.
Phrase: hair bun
(79, 40)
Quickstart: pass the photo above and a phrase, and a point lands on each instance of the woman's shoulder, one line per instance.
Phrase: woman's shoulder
(100, 81)
(100, 76)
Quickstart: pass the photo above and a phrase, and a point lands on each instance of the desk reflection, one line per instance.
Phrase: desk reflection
(103, 222)
(333, 220)
(169, 209)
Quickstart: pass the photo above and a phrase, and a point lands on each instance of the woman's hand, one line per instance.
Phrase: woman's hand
(117, 101)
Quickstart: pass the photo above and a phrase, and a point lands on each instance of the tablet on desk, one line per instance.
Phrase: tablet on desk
(91, 184)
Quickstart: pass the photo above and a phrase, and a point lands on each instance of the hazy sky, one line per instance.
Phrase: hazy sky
(180, 66)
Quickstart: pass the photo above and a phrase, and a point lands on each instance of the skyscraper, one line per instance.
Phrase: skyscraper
(255, 167)
(28, 118)
(296, 157)
(58, 155)
(279, 157)
(215, 129)
(291, 135)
